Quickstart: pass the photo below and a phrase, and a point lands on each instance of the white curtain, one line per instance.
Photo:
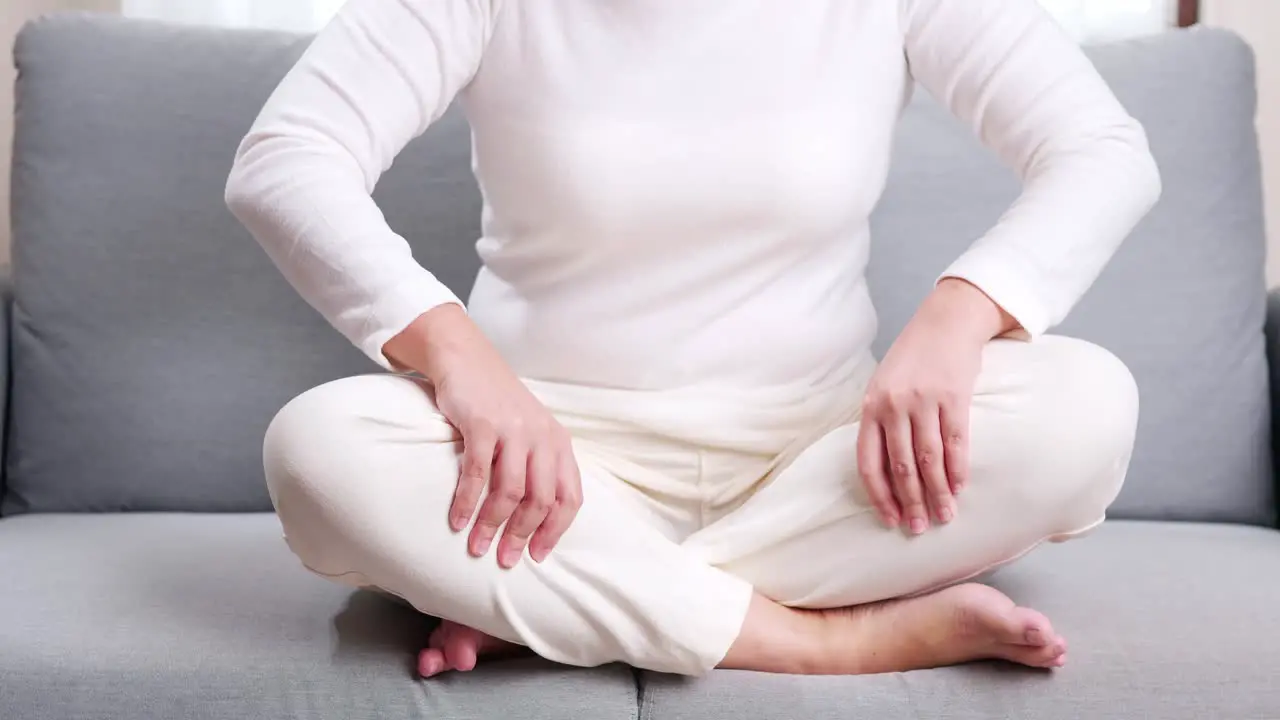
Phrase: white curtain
(1101, 20)
(1086, 20)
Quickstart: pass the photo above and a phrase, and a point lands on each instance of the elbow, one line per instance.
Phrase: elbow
(1136, 166)
(239, 194)
(1118, 156)
(1144, 172)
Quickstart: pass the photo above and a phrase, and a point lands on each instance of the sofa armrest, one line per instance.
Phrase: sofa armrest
(1273, 362)
(6, 316)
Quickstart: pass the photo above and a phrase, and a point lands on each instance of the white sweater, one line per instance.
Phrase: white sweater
(677, 193)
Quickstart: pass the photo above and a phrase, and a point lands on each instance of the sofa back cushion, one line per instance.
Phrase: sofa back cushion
(153, 340)
(1182, 303)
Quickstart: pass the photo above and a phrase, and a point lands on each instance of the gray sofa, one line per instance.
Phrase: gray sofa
(150, 341)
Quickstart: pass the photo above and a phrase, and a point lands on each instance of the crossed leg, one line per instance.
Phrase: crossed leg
(362, 473)
(1052, 429)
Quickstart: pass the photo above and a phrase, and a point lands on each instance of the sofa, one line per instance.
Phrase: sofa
(149, 341)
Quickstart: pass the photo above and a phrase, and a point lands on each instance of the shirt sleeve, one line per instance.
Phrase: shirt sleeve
(370, 82)
(1009, 71)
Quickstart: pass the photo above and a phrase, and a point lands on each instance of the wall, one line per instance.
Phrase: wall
(13, 13)
(1259, 22)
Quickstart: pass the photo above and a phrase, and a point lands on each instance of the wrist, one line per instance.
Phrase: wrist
(434, 341)
(965, 309)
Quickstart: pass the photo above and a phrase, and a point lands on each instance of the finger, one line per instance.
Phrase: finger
(926, 434)
(477, 465)
(955, 433)
(563, 512)
(506, 492)
(871, 465)
(902, 467)
(540, 494)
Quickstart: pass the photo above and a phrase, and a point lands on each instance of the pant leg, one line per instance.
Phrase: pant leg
(362, 472)
(1051, 431)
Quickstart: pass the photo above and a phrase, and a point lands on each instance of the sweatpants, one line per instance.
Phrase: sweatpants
(692, 500)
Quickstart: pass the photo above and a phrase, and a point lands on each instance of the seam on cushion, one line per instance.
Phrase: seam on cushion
(639, 681)
(645, 702)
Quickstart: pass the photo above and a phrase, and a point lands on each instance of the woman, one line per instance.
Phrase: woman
(657, 434)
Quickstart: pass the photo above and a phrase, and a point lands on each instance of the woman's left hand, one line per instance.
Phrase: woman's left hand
(913, 444)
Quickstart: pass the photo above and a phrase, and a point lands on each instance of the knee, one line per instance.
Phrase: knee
(1093, 400)
(1078, 429)
(336, 458)
(319, 441)
(301, 433)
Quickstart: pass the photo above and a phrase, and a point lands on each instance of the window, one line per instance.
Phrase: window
(1101, 20)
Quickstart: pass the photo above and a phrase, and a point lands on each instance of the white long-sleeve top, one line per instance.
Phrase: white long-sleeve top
(677, 193)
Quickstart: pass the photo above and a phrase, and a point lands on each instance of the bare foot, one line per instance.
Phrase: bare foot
(948, 627)
(951, 626)
(458, 647)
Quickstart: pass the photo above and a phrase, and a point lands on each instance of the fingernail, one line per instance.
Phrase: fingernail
(458, 523)
(958, 487)
(918, 525)
(481, 547)
(945, 514)
(510, 557)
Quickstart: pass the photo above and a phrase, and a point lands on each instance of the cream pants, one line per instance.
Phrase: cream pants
(692, 500)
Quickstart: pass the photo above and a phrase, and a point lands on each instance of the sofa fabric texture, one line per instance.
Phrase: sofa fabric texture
(150, 341)
(209, 617)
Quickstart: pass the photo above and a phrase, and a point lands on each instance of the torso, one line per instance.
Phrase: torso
(677, 194)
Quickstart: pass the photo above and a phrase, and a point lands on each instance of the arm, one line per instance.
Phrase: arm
(1007, 70)
(373, 80)
(1029, 93)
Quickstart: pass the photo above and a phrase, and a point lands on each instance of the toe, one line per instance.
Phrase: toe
(461, 651)
(1028, 627)
(431, 662)
(438, 636)
(1037, 657)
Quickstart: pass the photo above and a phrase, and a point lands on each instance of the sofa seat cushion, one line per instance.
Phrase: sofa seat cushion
(202, 616)
(1167, 621)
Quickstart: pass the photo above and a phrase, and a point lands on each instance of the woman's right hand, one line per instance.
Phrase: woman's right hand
(512, 447)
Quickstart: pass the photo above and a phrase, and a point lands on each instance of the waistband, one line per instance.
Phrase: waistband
(765, 420)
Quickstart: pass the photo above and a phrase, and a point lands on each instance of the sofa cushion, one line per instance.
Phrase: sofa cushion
(1183, 301)
(153, 338)
(1163, 620)
(208, 617)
